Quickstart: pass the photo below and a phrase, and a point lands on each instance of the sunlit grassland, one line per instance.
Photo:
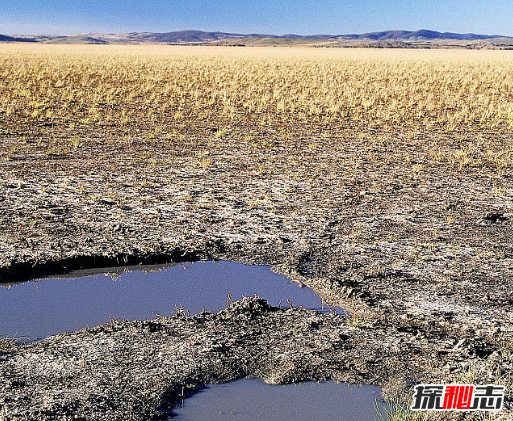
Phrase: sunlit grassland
(154, 92)
(384, 123)
(430, 89)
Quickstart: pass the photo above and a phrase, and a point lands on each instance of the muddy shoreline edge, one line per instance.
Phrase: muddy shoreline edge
(406, 222)
(248, 339)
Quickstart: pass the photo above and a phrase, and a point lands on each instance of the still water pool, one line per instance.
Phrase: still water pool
(253, 400)
(45, 307)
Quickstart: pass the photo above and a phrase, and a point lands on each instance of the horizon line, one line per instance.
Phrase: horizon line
(256, 33)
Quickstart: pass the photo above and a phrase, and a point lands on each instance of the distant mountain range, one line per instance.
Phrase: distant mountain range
(420, 38)
(423, 34)
(5, 38)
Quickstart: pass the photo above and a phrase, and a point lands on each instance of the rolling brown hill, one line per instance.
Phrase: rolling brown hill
(386, 39)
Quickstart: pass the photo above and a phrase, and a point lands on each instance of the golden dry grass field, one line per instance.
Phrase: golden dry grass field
(117, 94)
(380, 178)
(433, 90)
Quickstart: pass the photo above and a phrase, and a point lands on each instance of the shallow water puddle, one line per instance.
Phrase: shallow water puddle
(253, 400)
(47, 307)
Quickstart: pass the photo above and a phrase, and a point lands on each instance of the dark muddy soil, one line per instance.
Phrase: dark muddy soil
(419, 250)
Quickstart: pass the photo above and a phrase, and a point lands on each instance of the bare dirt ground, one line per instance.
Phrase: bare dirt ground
(409, 229)
(419, 250)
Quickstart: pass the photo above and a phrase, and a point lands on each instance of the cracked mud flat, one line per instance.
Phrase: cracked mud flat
(420, 250)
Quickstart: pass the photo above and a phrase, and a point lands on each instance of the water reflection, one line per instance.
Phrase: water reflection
(46, 307)
(253, 400)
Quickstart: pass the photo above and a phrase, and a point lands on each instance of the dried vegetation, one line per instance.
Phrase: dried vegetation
(383, 179)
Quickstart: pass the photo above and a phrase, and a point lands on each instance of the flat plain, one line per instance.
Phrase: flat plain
(380, 178)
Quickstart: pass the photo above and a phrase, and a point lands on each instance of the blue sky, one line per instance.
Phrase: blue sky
(263, 16)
